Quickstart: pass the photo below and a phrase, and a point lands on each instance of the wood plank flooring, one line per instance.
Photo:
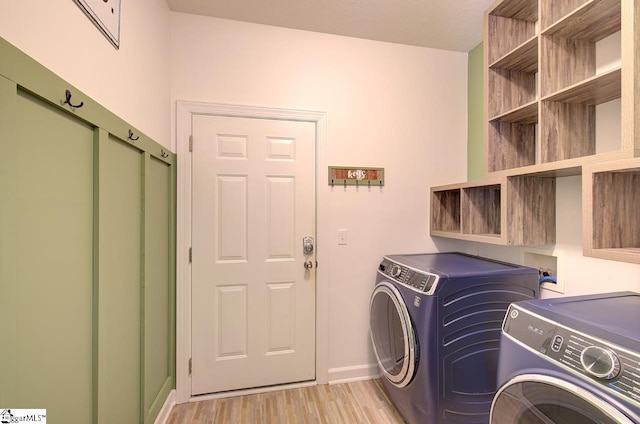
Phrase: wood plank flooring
(360, 402)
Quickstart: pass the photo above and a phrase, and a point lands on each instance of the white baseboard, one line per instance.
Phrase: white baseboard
(355, 373)
(169, 403)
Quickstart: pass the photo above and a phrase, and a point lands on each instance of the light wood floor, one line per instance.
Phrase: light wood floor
(349, 403)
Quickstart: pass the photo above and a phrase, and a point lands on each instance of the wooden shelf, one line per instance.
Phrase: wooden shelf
(525, 115)
(593, 21)
(525, 10)
(523, 58)
(593, 91)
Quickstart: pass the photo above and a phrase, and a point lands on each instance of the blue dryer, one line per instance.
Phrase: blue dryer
(435, 323)
(571, 360)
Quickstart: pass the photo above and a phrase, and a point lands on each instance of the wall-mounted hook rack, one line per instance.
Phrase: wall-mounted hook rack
(354, 176)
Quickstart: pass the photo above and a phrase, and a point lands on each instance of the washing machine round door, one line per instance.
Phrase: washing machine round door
(392, 334)
(540, 399)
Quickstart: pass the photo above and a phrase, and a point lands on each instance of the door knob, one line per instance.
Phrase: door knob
(308, 265)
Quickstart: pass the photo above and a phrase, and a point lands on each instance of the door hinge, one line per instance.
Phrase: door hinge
(190, 365)
(191, 143)
(190, 255)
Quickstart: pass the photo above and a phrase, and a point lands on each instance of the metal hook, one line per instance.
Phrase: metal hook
(67, 101)
(331, 182)
(164, 154)
(132, 138)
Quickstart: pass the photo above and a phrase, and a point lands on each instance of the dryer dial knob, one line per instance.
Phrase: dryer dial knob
(600, 362)
(395, 271)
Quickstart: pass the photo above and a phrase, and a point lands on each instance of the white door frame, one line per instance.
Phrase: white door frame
(184, 112)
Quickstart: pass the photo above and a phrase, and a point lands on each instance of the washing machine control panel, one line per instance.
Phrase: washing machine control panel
(419, 281)
(611, 366)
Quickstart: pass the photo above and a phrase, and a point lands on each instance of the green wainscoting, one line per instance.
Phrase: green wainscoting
(159, 292)
(475, 137)
(87, 255)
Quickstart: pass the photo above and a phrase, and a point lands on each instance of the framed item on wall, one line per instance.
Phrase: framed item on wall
(105, 14)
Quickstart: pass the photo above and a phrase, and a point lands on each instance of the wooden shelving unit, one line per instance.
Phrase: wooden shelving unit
(497, 211)
(542, 81)
(544, 89)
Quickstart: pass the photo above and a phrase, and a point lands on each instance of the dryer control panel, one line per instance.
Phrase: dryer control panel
(419, 281)
(611, 366)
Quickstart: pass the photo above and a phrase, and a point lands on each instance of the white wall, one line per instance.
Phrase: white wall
(132, 82)
(393, 106)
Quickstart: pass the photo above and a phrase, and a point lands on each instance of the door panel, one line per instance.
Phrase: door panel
(253, 301)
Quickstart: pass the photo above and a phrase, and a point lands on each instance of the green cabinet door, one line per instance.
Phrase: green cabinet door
(46, 257)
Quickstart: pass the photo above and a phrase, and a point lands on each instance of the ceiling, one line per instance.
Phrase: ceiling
(440, 24)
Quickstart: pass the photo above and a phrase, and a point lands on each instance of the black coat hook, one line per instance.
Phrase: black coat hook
(164, 154)
(67, 101)
(132, 138)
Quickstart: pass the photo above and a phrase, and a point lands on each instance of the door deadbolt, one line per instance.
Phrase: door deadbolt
(308, 265)
(307, 245)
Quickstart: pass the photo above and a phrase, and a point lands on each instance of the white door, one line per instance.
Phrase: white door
(253, 304)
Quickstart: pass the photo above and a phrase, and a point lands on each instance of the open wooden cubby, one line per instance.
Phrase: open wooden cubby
(445, 210)
(480, 206)
(610, 210)
(510, 210)
(467, 211)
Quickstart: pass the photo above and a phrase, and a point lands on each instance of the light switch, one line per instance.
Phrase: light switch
(342, 237)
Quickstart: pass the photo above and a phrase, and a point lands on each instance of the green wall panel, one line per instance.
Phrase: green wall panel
(475, 146)
(47, 237)
(87, 255)
(119, 281)
(158, 286)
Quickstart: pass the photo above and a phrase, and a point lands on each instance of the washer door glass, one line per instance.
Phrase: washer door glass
(392, 334)
(539, 399)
